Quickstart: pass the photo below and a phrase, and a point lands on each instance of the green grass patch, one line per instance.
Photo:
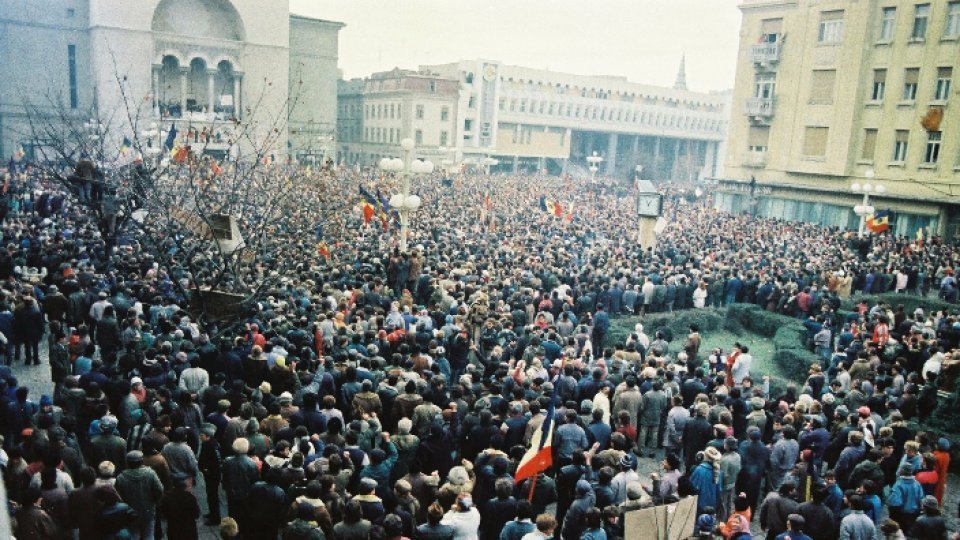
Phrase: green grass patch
(776, 342)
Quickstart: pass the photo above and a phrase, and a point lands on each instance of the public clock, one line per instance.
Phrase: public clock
(649, 204)
(489, 72)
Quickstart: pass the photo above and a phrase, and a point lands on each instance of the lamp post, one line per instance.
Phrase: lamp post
(594, 161)
(864, 209)
(152, 134)
(404, 202)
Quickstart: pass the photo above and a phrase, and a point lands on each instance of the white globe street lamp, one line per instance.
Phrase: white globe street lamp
(867, 188)
(594, 160)
(404, 202)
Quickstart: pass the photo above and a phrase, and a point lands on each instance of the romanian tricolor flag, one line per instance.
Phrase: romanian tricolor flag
(324, 250)
(125, 147)
(179, 153)
(539, 456)
(920, 238)
(369, 204)
(879, 221)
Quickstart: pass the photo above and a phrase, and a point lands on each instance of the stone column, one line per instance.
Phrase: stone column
(211, 80)
(611, 157)
(184, 72)
(155, 92)
(236, 95)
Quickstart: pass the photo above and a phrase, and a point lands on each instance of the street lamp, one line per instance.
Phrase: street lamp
(864, 209)
(594, 161)
(404, 202)
(149, 135)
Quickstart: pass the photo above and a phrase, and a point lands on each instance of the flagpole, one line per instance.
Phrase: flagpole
(533, 484)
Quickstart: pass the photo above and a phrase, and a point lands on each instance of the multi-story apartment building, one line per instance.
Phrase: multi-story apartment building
(834, 94)
(531, 119)
(376, 113)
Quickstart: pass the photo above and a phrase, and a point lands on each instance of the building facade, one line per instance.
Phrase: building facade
(529, 119)
(196, 64)
(376, 113)
(832, 93)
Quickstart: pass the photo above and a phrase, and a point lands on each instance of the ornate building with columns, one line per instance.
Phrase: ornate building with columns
(529, 119)
(201, 65)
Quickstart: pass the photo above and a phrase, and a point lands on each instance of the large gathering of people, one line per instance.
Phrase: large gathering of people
(385, 393)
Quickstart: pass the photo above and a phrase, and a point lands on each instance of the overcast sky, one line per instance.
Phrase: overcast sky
(640, 39)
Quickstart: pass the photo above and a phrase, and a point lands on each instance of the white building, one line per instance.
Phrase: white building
(533, 119)
(199, 64)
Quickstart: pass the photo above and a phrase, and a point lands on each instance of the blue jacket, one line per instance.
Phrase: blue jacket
(906, 495)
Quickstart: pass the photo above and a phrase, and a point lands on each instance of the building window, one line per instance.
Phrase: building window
(765, 85)
(879, 84)
(888, 22)
(758, 138)
(910, 78)
(443, 138)
(418, 137)
(932, 153)
(869, 144)
(419, 112)
(523, 105)
(831, 27)
(503, 104)
(921, 14)
(468, 125)
(71, 12)
(953, 20)
(445, 114)
(944, 77)
(72, 65)
(900, 146)
(821, 86)
(472, 102)
(815, 141)
(433, 87)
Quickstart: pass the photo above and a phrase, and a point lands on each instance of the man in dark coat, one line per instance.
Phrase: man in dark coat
(180, 508)
(696, 434)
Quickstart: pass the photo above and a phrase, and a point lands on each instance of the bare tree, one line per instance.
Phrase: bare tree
(230, 228)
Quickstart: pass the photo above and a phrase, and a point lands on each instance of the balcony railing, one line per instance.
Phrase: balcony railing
(766, 53)
(755, 159)
(762, 107)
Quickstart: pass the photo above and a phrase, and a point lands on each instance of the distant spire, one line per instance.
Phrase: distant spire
(681, 83)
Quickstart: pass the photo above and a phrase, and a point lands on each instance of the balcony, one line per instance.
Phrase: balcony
(766, 53)
(759, 108)
(753, 159)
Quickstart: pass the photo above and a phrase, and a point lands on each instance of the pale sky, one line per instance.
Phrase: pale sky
(639, 39)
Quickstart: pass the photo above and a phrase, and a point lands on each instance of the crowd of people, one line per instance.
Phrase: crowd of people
(380, 393)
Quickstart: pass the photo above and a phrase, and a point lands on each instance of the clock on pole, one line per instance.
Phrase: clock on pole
(649, 210)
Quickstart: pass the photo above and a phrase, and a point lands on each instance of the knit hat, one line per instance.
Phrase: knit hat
(134, 457)
(627, 461)
(943, 444)
(46, 401)
(286, 397)
(265, 387)
(458, 476)
(583, 487)
(367, 485)
(208, 429)
(108, 423)
(241, 446)
(930, 503)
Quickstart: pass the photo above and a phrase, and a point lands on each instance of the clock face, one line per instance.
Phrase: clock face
(648, 205)
(489, 72)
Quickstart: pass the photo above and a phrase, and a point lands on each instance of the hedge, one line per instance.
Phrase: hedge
(788, 335)
(910, 302)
